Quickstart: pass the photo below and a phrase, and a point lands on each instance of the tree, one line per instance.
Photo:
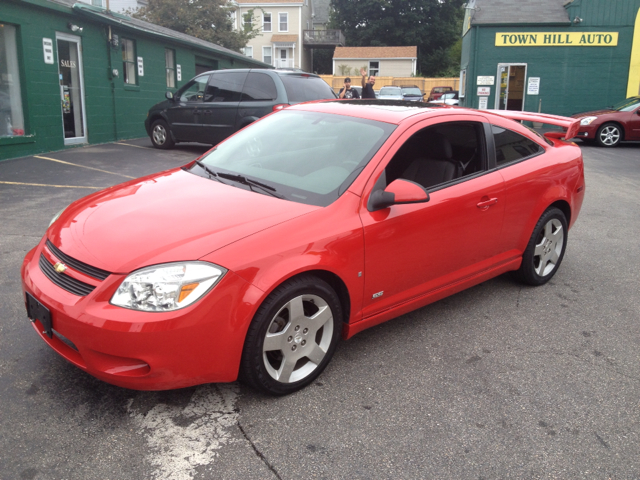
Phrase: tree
(432, 25)
(208, 20)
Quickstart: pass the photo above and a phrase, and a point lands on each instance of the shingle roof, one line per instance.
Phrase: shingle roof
(375, 52)
(281, 38)
(519, 11)
(153, 29)
(268, 1)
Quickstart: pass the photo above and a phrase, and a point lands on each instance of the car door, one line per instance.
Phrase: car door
(220, 108)
(183, 114)
(259, 95)
(633, 125)
(414, 249)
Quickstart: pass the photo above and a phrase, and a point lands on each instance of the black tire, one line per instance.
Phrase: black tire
(302, 345)
(609, 135)
(545, 249)
(161, 135)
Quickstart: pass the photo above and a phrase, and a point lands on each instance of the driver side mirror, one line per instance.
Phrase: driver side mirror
(169, 95)
(398, 192)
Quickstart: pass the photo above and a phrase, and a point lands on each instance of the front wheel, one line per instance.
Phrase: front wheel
(161, 135)
(609, 135)
(545, 249)
(292, 337)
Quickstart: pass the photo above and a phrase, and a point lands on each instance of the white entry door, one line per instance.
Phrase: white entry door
(283, 58)
(71, 88)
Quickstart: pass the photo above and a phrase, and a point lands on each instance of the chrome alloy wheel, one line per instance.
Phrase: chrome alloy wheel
(609, 135)
(548, 247)
(159, 134)
(298, 338)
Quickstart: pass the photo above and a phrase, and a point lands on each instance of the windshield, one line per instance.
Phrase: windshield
(395, 92)
(412, 92)
(307, 157)
(627, 104)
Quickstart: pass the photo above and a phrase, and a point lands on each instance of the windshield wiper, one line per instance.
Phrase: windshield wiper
(268, 189)
(209, 172)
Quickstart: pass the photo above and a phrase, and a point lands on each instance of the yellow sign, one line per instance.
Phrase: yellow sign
(559, 39)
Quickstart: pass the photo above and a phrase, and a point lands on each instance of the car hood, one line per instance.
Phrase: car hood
(595, 113)
(166, 217)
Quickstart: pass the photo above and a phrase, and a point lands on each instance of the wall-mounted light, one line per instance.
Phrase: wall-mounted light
(577, 20)
(74, 28)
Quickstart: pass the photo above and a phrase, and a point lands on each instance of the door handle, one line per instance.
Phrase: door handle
(485, 204)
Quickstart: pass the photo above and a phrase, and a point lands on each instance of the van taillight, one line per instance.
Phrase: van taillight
(280, 106)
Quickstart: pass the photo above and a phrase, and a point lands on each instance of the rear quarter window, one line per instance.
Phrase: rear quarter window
(303, 88)
(259, 86)
(511, 146)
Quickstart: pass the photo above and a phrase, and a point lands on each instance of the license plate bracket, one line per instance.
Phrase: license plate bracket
(37, 311)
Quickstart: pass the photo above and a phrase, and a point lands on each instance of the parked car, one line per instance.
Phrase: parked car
(436, 92)
(449, 98)
(216, 104)
(412, 94)
(316, 222)
(610, 126)
(390, 93)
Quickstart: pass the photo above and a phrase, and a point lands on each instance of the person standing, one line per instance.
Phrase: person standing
(367, 85)
(347, 91)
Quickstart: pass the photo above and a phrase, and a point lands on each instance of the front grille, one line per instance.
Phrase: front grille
(77, 265)
(65, 282)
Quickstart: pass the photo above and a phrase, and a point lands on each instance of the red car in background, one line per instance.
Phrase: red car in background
(610, 126)
(314, 223)
(436, 92)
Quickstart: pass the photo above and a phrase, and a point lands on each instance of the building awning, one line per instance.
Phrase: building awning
(284, 40)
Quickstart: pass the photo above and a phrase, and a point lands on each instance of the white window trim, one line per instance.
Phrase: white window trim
(248, 51)
(377, 74)
(270, 48)
(271, 22)
(279, 22)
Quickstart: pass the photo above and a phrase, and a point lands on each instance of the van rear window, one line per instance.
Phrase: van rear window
(303, 88)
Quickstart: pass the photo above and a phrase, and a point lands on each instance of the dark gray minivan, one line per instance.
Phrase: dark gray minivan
(213, 105)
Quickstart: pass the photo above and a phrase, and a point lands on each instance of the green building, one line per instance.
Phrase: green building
(73, 74)
(554, 56)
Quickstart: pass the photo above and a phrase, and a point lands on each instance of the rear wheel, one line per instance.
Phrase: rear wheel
(292, 337)
(609, 135)
(545, 250)
(161, 135)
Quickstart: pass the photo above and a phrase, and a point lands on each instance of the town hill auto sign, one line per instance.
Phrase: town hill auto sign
(561, 39)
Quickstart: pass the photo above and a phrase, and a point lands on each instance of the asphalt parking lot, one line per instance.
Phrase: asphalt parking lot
(499, 381)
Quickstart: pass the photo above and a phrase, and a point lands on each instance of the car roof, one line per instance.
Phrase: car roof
(391, 111)
(293, 71)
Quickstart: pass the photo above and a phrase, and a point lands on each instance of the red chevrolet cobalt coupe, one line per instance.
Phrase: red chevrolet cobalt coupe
(312, 224)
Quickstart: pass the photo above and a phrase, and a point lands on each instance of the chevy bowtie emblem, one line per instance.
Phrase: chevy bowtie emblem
(60, 267)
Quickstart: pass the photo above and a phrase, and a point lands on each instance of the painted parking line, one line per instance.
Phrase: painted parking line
(47, 185)
(82, 166)
(137, 146)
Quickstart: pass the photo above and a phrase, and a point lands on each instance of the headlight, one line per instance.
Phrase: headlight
(587, 120)
(57, 216)
(163, 288)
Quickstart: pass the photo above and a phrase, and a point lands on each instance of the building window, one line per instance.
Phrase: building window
(266, 55)
(266, 22)
(97, 3)
(283, 22)
(248, 51)
(11, 115)
(247, 20)
(374, 68)
(129, 61)
(170, 66)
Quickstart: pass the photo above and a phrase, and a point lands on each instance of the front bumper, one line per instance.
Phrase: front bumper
(199, 344)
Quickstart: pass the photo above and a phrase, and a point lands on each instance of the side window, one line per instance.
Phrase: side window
(511, 146)
(440, 154)
(259, 86)
(129, 61)
(194, 90)
(225, 87)
(170, 67)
